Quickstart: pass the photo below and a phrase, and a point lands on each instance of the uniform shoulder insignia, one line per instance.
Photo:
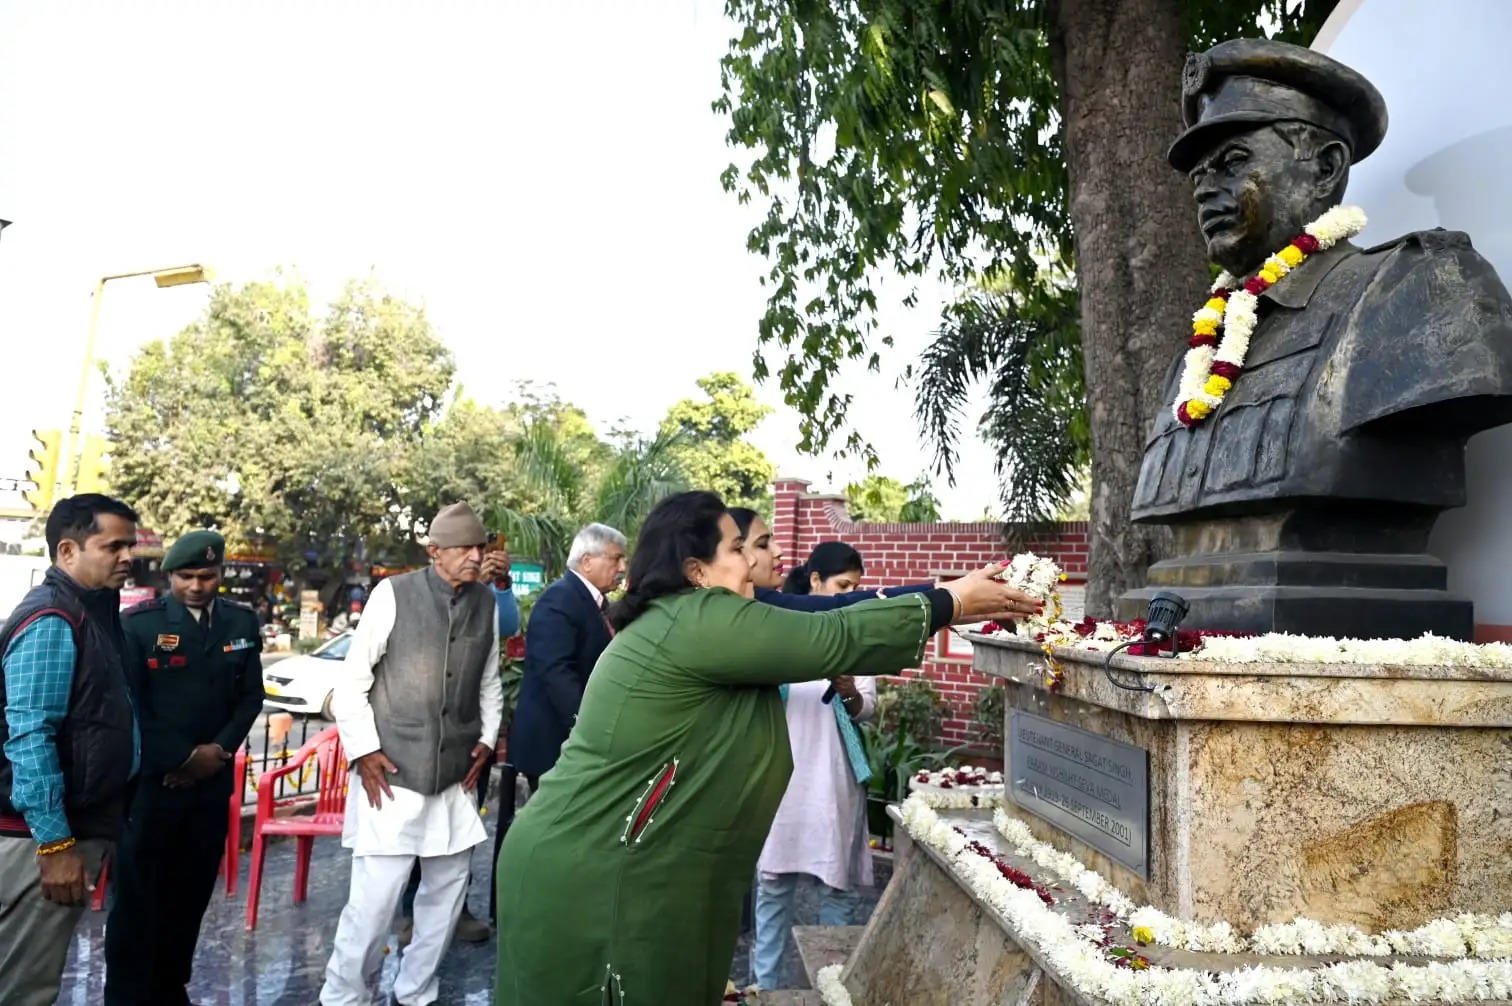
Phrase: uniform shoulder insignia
(156, 604)
(1433, 240)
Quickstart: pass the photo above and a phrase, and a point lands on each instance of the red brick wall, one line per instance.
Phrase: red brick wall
(909, 553)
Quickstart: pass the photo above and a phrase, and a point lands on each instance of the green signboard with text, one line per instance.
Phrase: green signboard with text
(528, 577)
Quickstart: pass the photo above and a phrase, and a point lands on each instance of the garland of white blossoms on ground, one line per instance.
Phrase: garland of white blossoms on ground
(1486, 936)
(1211, 367)
(1075, 957)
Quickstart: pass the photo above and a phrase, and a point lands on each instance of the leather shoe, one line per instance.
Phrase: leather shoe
(469, 929)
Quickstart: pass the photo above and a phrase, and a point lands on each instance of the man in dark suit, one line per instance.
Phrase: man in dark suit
(566, 633)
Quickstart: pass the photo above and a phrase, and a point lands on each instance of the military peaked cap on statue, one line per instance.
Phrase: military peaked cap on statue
(1246, 82)
(195, 550)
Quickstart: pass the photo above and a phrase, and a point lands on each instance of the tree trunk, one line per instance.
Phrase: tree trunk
(1139, 258)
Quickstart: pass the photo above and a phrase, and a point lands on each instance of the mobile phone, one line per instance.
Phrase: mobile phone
(497, 542)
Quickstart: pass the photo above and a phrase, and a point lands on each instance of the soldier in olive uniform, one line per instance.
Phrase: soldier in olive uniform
(192, 660)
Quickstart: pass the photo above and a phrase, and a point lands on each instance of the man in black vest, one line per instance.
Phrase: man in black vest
(192, 658)
(418, 704)
(68, 741)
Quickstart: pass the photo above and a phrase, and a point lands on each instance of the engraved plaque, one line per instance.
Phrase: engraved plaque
(1094, 788)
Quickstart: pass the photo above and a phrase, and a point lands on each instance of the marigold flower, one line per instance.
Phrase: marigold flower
(1143, 934)
(1216, 385)
(1217, 304)
(1292, 255)
(1205, 327)
(1267, 277)
(1197, 408)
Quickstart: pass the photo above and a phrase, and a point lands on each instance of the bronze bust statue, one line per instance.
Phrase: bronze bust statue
(1302, 500)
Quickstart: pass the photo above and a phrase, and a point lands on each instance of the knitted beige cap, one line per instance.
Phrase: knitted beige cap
(457, 525)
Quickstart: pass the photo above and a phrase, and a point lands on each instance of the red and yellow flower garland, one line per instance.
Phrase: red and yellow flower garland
(1211, 367)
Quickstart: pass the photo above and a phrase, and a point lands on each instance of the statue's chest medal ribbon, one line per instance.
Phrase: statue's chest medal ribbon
(1212, 365)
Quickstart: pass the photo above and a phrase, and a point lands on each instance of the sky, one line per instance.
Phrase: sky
(542, 177)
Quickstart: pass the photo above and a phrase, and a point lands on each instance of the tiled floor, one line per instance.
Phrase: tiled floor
(281, 964)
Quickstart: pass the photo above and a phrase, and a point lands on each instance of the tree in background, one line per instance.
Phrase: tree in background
(985, 142)
(710, 442)
(266, 421)
(334, 437)
(879, 499)
(561, 495)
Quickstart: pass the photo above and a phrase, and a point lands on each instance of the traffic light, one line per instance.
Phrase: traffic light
(42, 469)
(92, 466)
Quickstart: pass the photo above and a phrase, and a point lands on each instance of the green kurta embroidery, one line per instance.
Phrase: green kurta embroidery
(620, 882)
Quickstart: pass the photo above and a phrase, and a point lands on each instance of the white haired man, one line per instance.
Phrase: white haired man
(418, 702)
(566, 633)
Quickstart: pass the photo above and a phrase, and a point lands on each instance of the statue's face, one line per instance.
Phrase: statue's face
(1253, 196)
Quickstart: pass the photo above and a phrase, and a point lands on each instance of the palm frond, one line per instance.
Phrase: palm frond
(642, 474)
(1036, 420)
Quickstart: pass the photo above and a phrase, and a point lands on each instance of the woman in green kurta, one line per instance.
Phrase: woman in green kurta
(620, 882)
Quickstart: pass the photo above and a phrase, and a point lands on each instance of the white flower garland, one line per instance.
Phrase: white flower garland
(1079, 960)
(827, 984)
(1488, 936)
(1427, 650)
(959, 788)
(1039, 576)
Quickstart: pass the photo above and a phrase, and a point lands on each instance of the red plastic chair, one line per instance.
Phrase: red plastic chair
(230, 861)
(97, 902)
(330, 811)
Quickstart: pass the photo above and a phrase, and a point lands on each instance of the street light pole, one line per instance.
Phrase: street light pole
(171, 276)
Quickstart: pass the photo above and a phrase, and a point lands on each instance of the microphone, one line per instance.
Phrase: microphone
(829, 694)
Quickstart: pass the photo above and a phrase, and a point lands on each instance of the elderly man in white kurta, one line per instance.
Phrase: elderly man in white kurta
(820, 828)
(418, 706)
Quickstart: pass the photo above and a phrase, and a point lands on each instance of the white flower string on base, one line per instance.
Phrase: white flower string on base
(827, 984)
(1076, 958)
(1467, 934)
(959, 788)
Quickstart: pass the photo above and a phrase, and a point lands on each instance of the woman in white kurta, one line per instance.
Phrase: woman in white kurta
(819, 835)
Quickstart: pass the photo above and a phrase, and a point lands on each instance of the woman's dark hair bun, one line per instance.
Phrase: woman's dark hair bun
(829, 558)
(797, 580)
(681, 527)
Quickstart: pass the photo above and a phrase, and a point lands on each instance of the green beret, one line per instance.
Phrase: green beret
(195, 550)
(1247, 82)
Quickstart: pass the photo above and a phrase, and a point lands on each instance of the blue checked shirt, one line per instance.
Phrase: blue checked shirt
(39, 666)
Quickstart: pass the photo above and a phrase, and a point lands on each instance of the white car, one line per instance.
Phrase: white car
(303, 684)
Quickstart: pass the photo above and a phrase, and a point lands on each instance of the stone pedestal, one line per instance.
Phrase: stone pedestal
(1377, 796)
(933, 942)
(1328, 569)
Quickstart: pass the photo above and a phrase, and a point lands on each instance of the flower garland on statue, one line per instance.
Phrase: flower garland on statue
(1211, 367)
(1077, 957)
